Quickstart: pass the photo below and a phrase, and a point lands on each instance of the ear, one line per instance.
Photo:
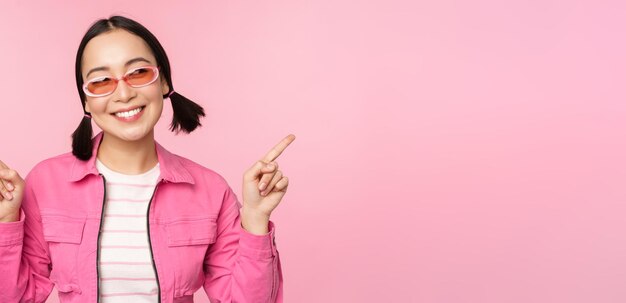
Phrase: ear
(164, 87)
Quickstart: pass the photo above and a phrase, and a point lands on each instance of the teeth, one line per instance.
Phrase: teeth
(129, 113)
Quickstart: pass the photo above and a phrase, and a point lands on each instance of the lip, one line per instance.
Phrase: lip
(127, 109)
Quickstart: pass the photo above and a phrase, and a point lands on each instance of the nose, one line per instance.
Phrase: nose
(123, 91)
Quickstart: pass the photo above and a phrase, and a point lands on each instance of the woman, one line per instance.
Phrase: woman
(120, 218)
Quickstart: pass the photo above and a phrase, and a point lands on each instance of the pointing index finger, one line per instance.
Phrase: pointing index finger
(278, 149)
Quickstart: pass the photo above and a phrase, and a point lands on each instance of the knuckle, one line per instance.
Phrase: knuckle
(256, 166)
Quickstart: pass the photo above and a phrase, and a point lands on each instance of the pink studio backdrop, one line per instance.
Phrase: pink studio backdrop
(446, 151)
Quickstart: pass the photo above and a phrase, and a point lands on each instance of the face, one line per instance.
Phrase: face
(129, 113)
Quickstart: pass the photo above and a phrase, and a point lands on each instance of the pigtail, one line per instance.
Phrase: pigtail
(81, 139)
(186, 113)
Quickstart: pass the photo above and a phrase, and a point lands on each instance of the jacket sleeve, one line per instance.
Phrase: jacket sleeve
(24, 257)
(240, 266)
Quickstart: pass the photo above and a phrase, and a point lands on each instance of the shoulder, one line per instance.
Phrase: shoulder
(202, 174)
(58, 164)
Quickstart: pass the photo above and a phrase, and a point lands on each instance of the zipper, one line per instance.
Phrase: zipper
(156, 273)
(149, 242)
(98, 241)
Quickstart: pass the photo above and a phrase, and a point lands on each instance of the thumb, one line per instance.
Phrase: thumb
(9, 181)
(256, 170)
(10, 175)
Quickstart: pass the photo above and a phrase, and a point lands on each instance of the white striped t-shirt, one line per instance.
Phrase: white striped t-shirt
(126, 271)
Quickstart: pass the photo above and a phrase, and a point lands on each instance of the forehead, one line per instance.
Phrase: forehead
(113, 49)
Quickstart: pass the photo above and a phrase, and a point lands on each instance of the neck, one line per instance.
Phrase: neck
(128, 157)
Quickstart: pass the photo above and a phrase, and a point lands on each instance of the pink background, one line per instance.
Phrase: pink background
(446, 151)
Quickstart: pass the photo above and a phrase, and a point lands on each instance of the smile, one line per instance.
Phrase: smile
(129, 113)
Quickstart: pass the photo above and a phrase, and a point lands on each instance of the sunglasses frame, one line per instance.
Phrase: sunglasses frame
(155, 69)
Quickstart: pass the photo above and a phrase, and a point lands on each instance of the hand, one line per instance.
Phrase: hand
(263, 188)
(11, 190)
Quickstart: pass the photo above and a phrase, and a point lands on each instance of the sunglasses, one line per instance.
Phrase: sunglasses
(136, 77)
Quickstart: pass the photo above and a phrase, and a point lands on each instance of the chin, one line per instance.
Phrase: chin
(133, 134)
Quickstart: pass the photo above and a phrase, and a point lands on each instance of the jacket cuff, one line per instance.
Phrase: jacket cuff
(257, 246)
(12, 233)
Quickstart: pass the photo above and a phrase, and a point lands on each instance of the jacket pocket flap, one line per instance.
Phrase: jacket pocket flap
(191, 231)
(62, 229)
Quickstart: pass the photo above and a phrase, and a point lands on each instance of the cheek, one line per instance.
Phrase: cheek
(156, 105)
(156, 98)
(94, 106)
(153, 92)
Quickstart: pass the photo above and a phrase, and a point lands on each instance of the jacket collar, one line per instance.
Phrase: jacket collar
(170, 166)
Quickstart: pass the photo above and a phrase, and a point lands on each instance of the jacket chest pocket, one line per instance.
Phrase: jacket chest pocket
(64, 235)
(188, 240)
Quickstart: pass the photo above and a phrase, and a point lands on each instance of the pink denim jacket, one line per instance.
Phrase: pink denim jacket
(195, 236)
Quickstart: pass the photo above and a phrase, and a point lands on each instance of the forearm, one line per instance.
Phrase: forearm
(24, 275)
(253, 275)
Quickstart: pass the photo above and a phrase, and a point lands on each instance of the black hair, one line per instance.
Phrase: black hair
(186, 112)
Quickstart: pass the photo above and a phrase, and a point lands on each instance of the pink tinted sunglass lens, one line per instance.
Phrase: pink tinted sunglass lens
(101, 86)
(141, 76)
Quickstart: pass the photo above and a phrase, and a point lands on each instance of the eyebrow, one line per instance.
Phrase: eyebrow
(129, 62)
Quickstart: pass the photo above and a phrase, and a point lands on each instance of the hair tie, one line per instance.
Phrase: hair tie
(88, 115)
(168, 95)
